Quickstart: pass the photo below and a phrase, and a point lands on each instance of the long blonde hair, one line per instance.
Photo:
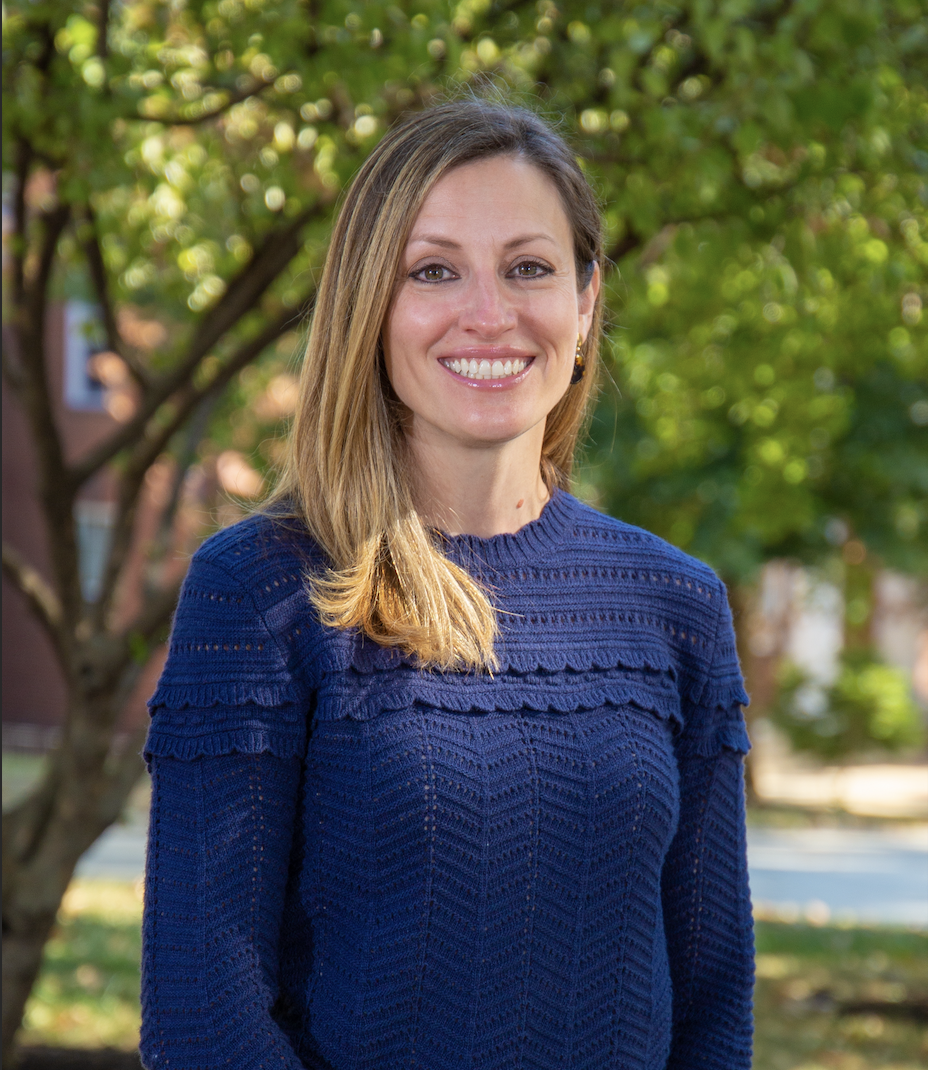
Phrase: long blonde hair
(347, 474)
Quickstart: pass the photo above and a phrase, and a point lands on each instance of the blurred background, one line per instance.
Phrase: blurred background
(170, 175)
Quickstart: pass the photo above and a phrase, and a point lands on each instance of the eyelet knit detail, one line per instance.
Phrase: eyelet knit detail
(592, 612)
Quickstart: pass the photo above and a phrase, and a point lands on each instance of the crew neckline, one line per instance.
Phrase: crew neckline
(532, 541)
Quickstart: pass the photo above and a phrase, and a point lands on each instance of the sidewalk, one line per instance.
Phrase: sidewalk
(856, 876)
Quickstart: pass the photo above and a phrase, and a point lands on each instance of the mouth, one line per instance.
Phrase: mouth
(486, 369)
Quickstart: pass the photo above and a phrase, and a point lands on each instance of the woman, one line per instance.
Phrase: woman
(447, 765)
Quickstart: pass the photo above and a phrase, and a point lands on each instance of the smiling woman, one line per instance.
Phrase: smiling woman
(480, 341)
(447, 767)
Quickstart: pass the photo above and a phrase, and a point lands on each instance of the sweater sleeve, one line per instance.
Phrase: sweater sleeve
(218, 850)
(706, 899)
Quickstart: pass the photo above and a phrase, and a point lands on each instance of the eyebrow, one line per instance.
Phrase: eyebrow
(448, 243)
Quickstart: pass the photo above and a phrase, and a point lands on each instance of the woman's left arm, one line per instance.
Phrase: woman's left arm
(706, 899)
(707, 915)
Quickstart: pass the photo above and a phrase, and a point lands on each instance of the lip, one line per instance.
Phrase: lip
(490, 353)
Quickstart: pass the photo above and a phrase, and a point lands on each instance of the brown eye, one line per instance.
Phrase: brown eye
(529, 269)
(431, 273)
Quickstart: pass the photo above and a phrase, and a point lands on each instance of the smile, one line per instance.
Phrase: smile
(487, 369)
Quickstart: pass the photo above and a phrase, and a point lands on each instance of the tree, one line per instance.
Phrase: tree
(181, 162)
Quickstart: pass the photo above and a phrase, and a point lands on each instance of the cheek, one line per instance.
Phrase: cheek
(414, 324)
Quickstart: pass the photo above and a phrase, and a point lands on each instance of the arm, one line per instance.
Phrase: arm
(707, 904)
(707, 915)
(218, 853)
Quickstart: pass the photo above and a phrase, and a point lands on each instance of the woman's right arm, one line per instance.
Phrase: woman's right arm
(218, 851)
(225, 749)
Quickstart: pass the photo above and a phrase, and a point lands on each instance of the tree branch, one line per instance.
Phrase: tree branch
(41, 597)
(55, 485)
(244, 292)
(156, 612)
(234, 98)
(103, 22)
(243, 356)
(12, 367)
(628, 243)
(23, 157)
(156, 441)
(101, 284)
(126, 769)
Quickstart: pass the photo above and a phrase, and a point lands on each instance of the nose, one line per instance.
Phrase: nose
(488, 310)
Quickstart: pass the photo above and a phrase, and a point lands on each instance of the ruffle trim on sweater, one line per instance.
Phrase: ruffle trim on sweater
(207, 694)
(731, 734)
(189, 733)
(188, 730)
(362, 697)
(722, 694)
(385, 669)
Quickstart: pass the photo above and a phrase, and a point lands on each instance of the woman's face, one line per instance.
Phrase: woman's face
(480, 339)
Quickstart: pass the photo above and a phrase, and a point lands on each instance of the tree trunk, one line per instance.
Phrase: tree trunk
(860, 574)
(25, 931)
(83, 791)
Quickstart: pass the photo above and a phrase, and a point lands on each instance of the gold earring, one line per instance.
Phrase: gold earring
(579, 363)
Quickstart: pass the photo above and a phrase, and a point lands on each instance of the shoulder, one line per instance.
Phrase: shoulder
(249, 581)
(657, 594)
(257, 547)
(631, 547)
(672, 598)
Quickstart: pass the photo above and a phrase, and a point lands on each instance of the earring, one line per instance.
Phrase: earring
(579, 364)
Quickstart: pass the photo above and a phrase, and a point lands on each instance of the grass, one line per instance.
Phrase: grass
(809, 979)
(840, 998)
(87, 995)
(20, 772)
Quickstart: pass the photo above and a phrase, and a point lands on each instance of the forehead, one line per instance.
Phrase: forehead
(502, 191)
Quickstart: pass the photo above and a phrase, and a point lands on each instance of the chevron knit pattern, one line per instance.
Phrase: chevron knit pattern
(357, 865)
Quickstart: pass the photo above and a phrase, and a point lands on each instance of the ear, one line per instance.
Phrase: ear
(586, 303)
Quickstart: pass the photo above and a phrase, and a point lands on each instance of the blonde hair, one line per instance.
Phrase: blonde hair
(347, 474)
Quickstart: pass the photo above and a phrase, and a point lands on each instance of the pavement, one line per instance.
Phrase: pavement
(865, 876)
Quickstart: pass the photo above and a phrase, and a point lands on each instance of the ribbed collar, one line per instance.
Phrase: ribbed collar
(532, 542)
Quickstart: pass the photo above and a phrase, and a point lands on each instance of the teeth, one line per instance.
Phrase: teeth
(485, 369)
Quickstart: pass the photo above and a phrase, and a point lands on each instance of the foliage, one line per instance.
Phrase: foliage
(765, 197)
(770, 351)
(869, 705)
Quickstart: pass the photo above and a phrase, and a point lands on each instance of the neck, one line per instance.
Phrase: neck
(483, 491)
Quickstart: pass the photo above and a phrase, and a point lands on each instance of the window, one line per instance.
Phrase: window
(94, 522)
(83, 339)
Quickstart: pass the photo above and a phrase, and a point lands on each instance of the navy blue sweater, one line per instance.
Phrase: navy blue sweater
(356, 864)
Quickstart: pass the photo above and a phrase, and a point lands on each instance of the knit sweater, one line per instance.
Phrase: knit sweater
(354, 864)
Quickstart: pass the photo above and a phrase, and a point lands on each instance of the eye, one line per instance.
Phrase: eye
(530, 269)
(432, 273)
